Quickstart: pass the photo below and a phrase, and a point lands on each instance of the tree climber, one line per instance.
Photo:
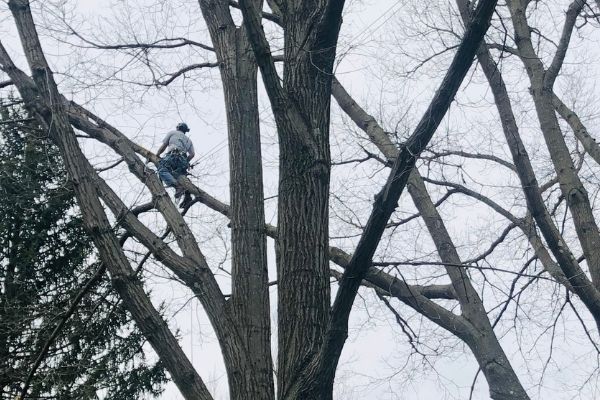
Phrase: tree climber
(177, 160)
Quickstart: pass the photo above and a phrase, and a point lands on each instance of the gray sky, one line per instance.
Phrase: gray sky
(382, 42)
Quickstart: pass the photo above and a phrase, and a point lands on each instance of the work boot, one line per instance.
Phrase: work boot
(179, 192)
(187, 200)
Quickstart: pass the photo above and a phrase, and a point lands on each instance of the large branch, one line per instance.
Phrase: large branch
(197, 277)
(324, 366)
(571, 185)
(55, 120)
(196, 274)
(382, 141)
(329, 26)
(262, 52)
(273, 17)
(249, 302)
(110, 136)
(533, 193)
(287, 114)
(581, 133)
(129, 288)
(502, 379)
(382, 280)
(416, 297)
(572, 14)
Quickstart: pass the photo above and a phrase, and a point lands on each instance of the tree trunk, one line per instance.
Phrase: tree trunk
(251, 373)
(301, 108)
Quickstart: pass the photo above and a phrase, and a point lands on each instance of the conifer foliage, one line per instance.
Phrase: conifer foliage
(46, 259)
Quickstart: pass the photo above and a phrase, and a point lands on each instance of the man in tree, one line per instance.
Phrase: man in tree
(177, 160)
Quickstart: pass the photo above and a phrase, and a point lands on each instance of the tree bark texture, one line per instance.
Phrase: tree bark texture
(301, 107)
(542, 83)
(316, 380)
(53, 116)
(323, 368)
(253, 378)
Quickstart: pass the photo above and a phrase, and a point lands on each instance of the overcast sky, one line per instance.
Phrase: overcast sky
(382, 42)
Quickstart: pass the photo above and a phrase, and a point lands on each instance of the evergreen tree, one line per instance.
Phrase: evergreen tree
(46, 259)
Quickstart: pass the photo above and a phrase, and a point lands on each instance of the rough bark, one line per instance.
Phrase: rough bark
(192, 269)
(250, 296)
(53, 116)
(301, 109)
(320, 374)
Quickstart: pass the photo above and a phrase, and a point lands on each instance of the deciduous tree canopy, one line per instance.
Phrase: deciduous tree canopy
(492, 250)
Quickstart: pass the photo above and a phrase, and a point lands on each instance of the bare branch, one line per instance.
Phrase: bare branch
(477, 156)
(177, 74)
(110, 166)
(386, 201)
(589, 143)
(459, 265)
(16, 121)
(484, 199)
(503, 48)
(494, 244)
(563, 45)
(164, 43)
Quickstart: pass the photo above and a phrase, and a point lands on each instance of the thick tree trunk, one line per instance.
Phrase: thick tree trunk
(251, 373)
(321, 373)
(302, 258)
(250, 296)
(303, 212)
(301, 109)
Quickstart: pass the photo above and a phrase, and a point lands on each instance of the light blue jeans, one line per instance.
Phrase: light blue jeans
(171, 167)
